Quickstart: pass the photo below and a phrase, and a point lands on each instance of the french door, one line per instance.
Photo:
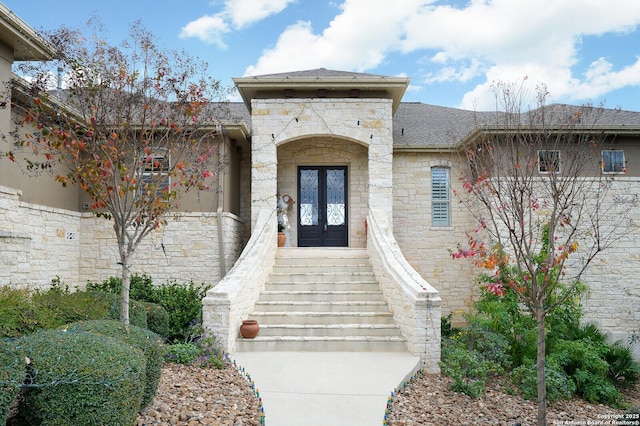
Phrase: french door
(322, 206)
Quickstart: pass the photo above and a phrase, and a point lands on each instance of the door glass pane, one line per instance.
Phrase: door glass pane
(335, 197)
(308, 197)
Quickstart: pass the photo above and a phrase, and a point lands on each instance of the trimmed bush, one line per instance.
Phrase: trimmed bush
(148, 342)
(12, 372)
(79, 378)
(157, 319)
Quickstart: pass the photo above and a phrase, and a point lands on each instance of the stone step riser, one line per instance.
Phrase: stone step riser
(316, 296)
(319, 346)
(354, 330)
(326, 277)
(292, 286)
(321, 266)
(325, 318)
(321, 307)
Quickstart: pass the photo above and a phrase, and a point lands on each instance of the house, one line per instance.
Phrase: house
(365, 172)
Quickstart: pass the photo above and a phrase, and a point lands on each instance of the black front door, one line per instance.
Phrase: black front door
(322, 209)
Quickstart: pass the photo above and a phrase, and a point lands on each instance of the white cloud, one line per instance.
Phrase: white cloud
(236, 14)
(357, 39)
(485, 40)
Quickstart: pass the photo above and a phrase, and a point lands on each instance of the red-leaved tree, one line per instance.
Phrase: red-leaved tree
(134, 126)
(534, 182)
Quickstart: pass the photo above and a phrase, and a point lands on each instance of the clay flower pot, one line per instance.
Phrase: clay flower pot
(249, 329)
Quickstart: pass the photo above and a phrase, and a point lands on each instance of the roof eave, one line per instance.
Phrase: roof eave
(26, 43)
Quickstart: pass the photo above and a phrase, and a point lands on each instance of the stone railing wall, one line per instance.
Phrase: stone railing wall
(231, 301)
(414, 303)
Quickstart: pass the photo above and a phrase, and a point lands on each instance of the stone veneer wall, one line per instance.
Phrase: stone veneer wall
(425, 247)
(613, 278)
(39, 243)
(282, 121)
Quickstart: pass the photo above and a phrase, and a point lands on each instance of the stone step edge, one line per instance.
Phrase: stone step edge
(318, 314)
(354, 339)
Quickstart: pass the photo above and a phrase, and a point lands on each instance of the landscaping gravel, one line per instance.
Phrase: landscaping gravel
(193, 396)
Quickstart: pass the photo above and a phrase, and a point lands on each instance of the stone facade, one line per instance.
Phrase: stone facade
(41, 243)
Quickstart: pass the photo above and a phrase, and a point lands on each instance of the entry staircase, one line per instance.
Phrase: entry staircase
(319, 299)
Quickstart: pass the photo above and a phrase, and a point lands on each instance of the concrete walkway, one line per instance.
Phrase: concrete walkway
(326, 388)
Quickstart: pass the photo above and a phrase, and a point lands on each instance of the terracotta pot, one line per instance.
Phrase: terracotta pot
(282, 238)
(249, 329)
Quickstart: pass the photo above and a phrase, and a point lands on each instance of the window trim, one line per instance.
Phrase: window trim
(623, 163)
(441, 197)
(543, 161)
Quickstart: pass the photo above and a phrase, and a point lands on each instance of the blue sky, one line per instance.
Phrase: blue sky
(452, 50)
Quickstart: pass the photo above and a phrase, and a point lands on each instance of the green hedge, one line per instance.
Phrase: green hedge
(79, 378)
(148, 342)
(12, 372)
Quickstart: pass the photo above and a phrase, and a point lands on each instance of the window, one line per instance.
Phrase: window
(549, 161)
(155, 171)
(440, 201)
(613, 161)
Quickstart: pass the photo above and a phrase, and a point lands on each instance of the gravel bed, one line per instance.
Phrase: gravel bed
(194, 396)
(429, 400)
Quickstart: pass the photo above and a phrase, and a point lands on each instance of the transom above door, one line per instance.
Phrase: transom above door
(322, 206)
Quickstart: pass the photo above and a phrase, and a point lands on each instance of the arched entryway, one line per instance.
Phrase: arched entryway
(327, 177)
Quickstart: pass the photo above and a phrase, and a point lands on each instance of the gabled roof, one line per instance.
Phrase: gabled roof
(330, 80)
(25, 42)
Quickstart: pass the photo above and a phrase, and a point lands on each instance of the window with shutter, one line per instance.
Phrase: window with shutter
(440, 200)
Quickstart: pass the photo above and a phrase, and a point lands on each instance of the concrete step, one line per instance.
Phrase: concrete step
(322, 318)
(321, 295)
(323, 299)
(323, 344)
(329, 330)
(289, 285)
(332, 276)
(311, 306)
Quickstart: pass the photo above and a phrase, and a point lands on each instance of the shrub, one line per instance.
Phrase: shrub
(624, 371)
(157, 319)
(559, 385)
(62, 307)
(137, 311)
(468, 367)
(23, 311)
(199, 347)
(148, 342)
(141, 287)
(184, 304)
(80, 378)
(12, 372)
(17, 314)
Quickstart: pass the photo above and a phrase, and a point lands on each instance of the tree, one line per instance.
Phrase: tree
(534, 183)
(136, 127)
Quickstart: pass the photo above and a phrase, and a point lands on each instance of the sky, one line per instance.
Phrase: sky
(454, 51)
